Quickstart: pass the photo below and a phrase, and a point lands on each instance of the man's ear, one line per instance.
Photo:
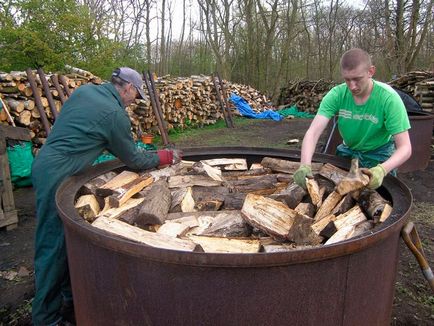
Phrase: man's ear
(371, 71)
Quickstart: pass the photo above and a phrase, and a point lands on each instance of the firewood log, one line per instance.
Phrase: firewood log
(285, 166)
(88, 207)
(118, 181)
(354, 180)
(228, 164)
(314, 191)
(291, 196)
(228, 224)
(226, 245)
(182, 181)
(307, 209)
(374, 205)
(332, 173)
(328, 205)
(122, 194)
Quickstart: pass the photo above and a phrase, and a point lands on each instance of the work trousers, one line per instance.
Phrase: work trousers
(51, 266)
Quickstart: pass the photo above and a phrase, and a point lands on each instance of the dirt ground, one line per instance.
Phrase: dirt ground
(413, 301)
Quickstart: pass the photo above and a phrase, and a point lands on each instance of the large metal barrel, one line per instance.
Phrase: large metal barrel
(120, 282)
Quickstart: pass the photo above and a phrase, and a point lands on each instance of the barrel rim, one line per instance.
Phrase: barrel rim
(66, 193)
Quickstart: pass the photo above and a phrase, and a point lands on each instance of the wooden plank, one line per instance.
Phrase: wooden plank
(152, 239)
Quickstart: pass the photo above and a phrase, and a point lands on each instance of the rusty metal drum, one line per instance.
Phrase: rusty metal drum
(120, 282)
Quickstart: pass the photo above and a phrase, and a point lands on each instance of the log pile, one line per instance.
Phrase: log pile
(305, 94)
(222, 205)
(419, 84)
(184, 100)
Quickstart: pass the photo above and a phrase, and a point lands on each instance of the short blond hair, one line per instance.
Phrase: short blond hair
(355, 57)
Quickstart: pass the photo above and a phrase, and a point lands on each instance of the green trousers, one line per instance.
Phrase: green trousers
(369, 159)
(51, 266)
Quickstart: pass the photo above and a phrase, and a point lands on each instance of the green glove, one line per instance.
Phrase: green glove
(377, 175)
(300, 175)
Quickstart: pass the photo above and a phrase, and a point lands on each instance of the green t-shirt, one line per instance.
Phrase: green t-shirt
(370, 125)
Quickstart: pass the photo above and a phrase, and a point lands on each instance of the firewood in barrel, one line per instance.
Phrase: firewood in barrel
(204, 169)
(285, 166)
(374, 205)
(173, 229)
(209, 198)
(344, 205)
(291, 196)
(328, 205)
(320, 225)
(228, 164)
(326, 186)
(307, 209)
(88, 207)
(351, 217)
(177, 195)
(349, 231)
(152, 239)
(226, 245)
(126, 212)
(182, 181)
(187, 203)
(354, 180)
(234, 175)
(332, 173)
(234, 201)
(314, 191)
(282, 247)
(277, 220)
(123, 193)
(228, 224)
(260, 185)
(91, 186)
(121, 179)
(155, 207)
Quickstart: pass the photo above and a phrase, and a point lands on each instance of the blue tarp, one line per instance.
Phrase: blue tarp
(246, 111)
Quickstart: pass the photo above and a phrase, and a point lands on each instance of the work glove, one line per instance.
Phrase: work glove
(300, 175)
(169, 156)
(376, 176)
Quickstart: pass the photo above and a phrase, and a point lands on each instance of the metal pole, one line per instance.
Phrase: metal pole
(48, 95)
(157, 101)
(55, 81)
(63, 81)
(38, 101)
(220, 101)
(224, 95)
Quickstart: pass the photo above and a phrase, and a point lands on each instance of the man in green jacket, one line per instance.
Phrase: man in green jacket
(92, 120)
(372, 121)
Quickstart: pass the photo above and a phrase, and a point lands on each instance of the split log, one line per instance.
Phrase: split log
(332, 173)
(314, 191)
(182, 181)
(285, 166)
(234, 175)
(344, 205)
(118, 181)
(125, 212)
(122, 194)
(328, 205)
(90, 187)
(351, 217)
(152, 239)
(234, 201)
(277, 220)
(349, 231)
(209, 198)
(155, 206)
(320, 225)
(354, 180)
(260, 185)
(177, 195)
(204, 169)
(291, 196)
(88, 207)
(228, 224)
(228, 164)
(374, 205)
(173, 229)
(307, 209)
(187, 203)
(226, 245)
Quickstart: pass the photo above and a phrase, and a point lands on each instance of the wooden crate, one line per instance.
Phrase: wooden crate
(8, 213)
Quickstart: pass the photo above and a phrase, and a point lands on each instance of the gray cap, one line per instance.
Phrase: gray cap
(131, 76)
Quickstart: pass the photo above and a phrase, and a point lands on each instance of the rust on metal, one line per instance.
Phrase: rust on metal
(126, 283)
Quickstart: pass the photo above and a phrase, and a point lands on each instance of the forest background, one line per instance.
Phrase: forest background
(262, 43)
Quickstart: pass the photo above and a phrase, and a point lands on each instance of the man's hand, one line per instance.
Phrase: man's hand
(376, 176)
(300, 175)
(169, 156)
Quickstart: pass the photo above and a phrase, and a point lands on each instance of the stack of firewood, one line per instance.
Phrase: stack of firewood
(419, 84)
(184, 101)
(305, 94)
(222, 205)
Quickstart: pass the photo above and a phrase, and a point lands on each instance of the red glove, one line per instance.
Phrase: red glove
(165, 156)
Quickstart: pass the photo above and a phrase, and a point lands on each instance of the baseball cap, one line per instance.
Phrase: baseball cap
(131, 76)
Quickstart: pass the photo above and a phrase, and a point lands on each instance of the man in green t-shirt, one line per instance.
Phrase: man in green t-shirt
(372, 121)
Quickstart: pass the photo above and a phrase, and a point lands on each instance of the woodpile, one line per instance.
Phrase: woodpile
(184, 101)
(222, 205)
(305, 94)
(420, 85)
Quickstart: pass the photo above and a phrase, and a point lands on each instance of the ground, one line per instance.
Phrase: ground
(413, 301)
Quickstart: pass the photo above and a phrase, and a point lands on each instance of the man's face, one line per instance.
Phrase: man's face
(358, 80)
(130, 94)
